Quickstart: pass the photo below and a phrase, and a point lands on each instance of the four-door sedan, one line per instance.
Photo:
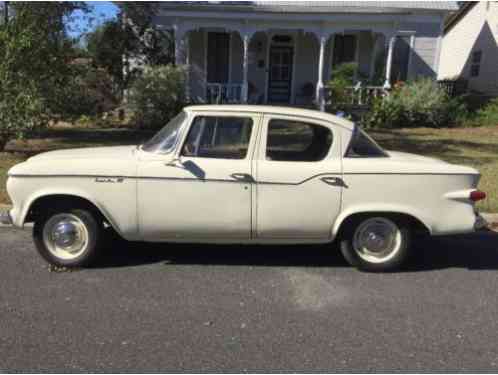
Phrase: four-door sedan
(244, 175)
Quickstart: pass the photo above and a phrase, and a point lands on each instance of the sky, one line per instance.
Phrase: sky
(100, 12)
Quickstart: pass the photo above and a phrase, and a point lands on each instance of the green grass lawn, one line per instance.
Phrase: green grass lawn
(476, 147)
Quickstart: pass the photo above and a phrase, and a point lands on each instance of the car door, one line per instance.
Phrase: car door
(204, 191)
(299, 174)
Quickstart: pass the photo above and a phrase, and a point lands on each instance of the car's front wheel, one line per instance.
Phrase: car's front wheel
(68, 238)
(376, 243)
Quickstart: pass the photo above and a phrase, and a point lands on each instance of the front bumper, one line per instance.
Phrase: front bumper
(5, 218)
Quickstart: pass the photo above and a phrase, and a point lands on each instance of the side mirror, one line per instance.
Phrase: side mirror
(176, 162)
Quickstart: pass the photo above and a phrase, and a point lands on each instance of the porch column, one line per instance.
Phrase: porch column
(320, 99)
(390, 40)
(179, 45)
(375, 51)
(187, 67)
(246, 38)
(182, 55)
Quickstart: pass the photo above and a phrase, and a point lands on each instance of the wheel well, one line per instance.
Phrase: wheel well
(60, 202)
(412, 222)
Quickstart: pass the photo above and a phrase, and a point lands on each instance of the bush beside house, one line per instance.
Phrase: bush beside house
(486, 116)
(421, 103)
(157, 95)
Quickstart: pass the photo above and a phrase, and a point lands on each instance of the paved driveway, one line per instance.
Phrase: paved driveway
(205, 308)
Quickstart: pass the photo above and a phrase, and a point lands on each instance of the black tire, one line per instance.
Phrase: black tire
(90, 251)
(359, 260)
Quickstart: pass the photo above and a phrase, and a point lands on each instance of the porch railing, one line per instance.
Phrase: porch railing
(357, 96)
(224, 93)
(454, 87)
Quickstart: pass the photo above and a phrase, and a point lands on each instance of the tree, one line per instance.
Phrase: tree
(105, 45)
(142, 41)
(35, 68)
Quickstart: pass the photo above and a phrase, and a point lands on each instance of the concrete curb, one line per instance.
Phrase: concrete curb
(492, 220)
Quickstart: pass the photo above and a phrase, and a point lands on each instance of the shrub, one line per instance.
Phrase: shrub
(22, 110)
(416, 104)
(342, 78)
(157, 95)
(90, 92)
(486, 116)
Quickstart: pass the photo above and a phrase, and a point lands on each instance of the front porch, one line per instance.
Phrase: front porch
(287, 66)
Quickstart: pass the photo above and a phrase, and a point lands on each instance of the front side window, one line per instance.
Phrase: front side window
(362, 146)
(218, 137)
(297, 141)
(165, 140)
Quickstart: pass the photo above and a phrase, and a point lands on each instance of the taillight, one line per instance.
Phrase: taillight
(477, 195)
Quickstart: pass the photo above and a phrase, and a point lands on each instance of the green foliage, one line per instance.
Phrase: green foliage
(34, 69)
(142, 40)
(106, 47)
(134, 36)
(91, 91)
(486, 116)
(21, 112)
(157, 95)
(421, 103)
(342, 77)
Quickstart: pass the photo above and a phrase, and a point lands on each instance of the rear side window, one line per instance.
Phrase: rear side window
(297, 141)
(362, 146)
(218, 137)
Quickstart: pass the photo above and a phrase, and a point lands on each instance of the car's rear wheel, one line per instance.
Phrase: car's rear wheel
(376, 243)
(67, 238)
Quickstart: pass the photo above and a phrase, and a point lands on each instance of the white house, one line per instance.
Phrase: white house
(283, 51)
(470, 47)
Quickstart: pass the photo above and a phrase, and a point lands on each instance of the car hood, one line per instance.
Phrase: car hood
(116, 152)
(99, 161)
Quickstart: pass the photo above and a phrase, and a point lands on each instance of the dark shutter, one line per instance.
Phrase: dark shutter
(401, 58)
(218, 58)
(344, 49)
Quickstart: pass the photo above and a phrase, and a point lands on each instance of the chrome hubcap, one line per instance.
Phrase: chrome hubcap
(65, 236)
(377, 240)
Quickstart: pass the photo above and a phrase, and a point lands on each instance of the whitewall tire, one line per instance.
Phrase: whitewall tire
(67, 238)
(376, 243)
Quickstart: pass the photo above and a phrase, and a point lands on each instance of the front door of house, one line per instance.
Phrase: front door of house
(280, 75)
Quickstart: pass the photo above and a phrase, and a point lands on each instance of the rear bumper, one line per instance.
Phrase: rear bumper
(5, 218)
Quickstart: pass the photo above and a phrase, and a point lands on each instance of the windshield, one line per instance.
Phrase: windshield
(165, 140)
(362, 146)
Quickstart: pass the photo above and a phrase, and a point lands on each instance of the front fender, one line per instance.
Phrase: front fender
(391, 208)
(116, 203)
(63, 191)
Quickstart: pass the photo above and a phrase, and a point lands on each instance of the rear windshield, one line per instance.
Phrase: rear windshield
(362, 146)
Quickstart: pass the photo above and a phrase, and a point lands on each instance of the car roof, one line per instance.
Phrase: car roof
(274, 110)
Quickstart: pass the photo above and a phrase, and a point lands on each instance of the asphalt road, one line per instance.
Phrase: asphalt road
(206, 308)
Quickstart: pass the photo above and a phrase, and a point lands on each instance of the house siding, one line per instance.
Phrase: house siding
(476, 30)
(425, 48)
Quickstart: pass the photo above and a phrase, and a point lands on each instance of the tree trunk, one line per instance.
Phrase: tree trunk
(3, 142)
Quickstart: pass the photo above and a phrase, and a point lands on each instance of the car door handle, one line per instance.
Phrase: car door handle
(243, 177)
(334, 181)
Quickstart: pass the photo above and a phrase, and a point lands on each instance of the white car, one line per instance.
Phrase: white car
(244, 175)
